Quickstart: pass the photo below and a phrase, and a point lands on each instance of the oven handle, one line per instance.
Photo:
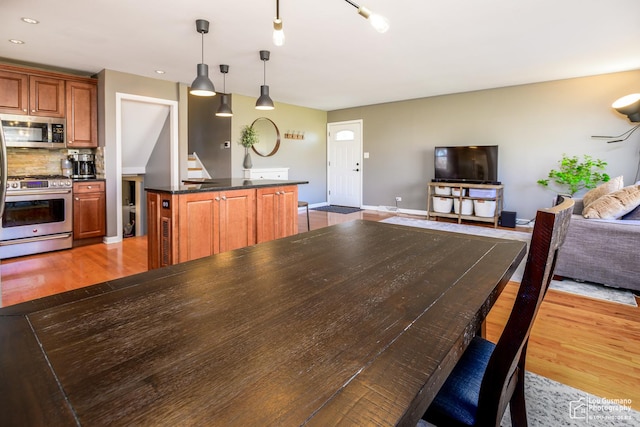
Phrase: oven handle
(37, 193)
(34, 239)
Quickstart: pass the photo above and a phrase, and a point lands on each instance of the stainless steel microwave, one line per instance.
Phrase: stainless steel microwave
(33, 131)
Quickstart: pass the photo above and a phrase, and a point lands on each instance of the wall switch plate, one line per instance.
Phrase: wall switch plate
(73, 151)
(398, 199)
(366, 154)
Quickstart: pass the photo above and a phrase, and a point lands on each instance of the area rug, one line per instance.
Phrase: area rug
(590, 290)
(337, 209)
(550, 404)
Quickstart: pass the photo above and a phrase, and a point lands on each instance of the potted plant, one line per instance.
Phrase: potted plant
(248, 137)
(576, 174)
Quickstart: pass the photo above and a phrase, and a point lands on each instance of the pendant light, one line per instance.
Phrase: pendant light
(278, 32)
(224, 110)
(264, 102)
(379, 22)
(202, 85)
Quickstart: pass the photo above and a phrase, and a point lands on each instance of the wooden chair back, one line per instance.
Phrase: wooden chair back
(504, 377)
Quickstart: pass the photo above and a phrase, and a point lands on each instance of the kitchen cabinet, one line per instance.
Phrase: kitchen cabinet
(214, 222)
(82, 114)
(188, 226)
(277, 212)
(34, 95)
(202, 218)
(89, 209)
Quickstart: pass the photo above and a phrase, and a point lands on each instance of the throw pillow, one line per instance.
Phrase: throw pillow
(614, 205)
(610, 186)
(634, 214)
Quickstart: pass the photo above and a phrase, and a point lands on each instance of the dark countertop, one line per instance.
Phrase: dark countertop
(222, 184)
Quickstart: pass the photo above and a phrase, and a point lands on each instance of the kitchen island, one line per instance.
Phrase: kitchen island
(203, 217)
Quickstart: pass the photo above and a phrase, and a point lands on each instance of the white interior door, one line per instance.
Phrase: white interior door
(345, 163)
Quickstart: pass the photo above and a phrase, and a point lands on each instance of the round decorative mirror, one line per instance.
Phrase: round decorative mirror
(268, 137)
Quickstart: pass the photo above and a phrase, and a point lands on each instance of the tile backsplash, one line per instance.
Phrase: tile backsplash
(39, 161)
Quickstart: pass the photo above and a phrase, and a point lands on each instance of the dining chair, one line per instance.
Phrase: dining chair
(489, 376)
(302, 204)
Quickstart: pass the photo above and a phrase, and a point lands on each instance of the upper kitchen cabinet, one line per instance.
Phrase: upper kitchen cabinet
(31, 94)
(14, 93)
(82, 115)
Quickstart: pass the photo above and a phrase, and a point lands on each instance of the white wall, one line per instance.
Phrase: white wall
(532, 124)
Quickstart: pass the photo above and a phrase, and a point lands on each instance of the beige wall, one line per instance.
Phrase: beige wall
(112, 82)
(532, 124)
(306, 159)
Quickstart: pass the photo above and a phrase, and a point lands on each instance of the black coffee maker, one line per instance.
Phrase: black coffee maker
(83, 166)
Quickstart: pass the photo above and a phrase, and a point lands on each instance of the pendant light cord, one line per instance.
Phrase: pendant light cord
(202, 47)
(277, 9)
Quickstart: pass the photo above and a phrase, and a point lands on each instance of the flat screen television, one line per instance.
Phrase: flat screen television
(476, 164)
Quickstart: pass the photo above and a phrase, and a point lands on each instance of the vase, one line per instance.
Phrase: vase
(247, 159)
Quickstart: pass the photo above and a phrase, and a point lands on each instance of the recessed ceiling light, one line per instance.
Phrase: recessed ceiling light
(159, 71)
(30, 20)
(16, 41)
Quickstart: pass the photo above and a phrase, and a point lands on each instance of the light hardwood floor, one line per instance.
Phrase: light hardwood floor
(588, 344)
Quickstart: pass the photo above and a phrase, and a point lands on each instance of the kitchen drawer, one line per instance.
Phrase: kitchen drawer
(88, 186)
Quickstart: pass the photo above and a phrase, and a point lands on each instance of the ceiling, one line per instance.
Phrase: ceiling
(332, 57)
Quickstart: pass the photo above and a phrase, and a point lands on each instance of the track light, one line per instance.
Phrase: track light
(264, 102)
(202, 85)
(379, 22)
(278, 32)
(224, 110)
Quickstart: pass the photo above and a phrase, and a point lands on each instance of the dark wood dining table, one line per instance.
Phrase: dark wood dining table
(353, 324)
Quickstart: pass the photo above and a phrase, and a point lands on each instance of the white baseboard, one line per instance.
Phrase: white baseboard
(111, 239)
(393, 209)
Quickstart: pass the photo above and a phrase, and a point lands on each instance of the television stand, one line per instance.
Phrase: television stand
(444, 197)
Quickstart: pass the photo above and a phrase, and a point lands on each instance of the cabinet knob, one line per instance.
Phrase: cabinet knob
(77, 198)
(217, 199)
(24, 109)
(224, 197)
(89, 187)
(33, 111)
(70, 142)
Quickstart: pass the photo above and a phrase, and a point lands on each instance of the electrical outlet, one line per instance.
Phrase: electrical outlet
(398, 199)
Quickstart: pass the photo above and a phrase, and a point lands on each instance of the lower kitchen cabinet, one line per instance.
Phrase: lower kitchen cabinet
(188, 225)
(89, 209)
(277, 212)
(210, 223)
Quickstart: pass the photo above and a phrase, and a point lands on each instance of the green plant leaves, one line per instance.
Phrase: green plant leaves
(576, 174)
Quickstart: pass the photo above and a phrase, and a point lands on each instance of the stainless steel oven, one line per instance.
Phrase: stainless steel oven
(38, 216)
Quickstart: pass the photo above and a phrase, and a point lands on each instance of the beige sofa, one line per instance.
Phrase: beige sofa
(601, 251)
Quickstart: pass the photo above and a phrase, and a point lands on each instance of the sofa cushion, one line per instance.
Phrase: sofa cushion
(614, 205)
(610, 186)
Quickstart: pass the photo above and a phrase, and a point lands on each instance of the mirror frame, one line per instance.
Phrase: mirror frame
(277, 144)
